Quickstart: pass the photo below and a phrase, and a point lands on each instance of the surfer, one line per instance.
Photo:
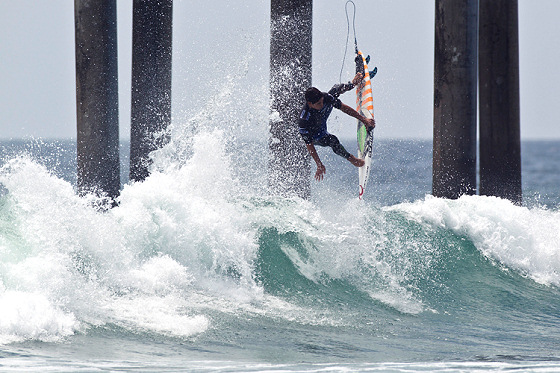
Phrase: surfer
(313, 122)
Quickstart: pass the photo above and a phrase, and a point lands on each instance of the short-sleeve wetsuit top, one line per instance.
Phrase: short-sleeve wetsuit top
(313, 123)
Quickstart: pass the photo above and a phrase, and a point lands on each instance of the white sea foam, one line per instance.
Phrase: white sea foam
(130, 266)
(26, 315)
(181, 246)
(521, 238)
(178, 245)
(343, 240)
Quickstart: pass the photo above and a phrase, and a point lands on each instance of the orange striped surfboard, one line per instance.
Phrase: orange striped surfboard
(364, 103)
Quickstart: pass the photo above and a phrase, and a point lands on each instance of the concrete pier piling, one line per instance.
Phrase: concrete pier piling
(97, 97)
(151, 81)
(455, 87)
(290, 75)
(500, 147)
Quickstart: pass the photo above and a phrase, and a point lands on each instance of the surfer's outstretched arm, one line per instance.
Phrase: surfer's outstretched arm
(339, 89)
(321, 170)
(370, 122)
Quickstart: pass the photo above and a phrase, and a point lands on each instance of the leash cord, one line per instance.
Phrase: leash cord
(348, 35)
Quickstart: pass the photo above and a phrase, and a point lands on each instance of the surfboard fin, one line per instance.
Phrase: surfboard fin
(373, 72)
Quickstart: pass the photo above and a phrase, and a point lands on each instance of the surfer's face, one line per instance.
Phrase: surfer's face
(318, 105)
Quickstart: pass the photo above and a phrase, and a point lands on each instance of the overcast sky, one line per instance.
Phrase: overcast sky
(37, 74)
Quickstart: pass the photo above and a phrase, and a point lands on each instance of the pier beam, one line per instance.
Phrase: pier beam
(455, 85)
(97, 97)
(500, 147)
(290, 75)
(151, 81)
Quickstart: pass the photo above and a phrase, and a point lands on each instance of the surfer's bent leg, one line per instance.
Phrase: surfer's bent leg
(332, 141)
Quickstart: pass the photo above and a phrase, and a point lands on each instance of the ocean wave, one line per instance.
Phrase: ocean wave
(192, 248)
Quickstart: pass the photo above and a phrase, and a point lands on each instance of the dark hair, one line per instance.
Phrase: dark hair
(313, 95)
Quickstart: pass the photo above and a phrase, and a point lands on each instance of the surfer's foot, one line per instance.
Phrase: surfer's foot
(356, 161)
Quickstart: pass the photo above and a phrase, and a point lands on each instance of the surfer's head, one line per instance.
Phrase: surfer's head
(314, 98)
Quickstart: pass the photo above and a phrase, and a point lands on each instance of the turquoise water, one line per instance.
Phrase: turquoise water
(199, 269)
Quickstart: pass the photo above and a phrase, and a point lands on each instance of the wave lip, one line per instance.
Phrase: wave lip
(526, 240)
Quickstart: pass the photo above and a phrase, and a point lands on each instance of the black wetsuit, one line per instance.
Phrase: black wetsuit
(313, 123)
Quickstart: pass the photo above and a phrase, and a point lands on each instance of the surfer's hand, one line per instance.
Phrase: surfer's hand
(357, 79)
(369, 122)
(321, 170)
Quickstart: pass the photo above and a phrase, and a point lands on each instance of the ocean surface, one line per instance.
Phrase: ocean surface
(199, 269)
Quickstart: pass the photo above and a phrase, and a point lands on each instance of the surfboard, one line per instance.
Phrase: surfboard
(364, 103)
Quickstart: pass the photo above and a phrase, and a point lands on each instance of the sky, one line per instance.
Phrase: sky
(37, 74)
